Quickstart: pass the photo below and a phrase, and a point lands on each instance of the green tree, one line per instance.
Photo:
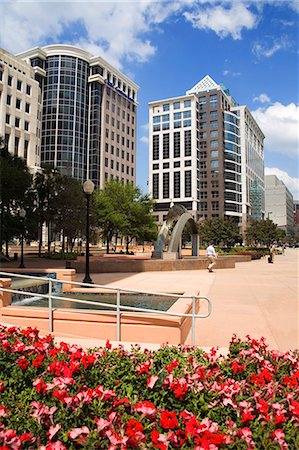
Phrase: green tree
(123, 211)
(219, 231)
(15, 182)
(46, 185)
(70, 211)
(263, 232)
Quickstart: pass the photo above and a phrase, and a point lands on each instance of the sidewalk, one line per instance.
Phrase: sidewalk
(255, 298)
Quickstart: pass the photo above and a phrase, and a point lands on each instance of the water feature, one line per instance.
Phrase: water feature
(146, 301)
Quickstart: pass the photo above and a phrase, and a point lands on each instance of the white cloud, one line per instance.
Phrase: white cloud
(117, 31)
(261, 50)
(262, 98)
(145, 126)
(223, 20)
(279, 124)
(144, 140)
(292, 183)
(294, 4)
(231, 73)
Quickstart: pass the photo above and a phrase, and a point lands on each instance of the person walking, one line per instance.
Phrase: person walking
(211, 254)
(272, 253)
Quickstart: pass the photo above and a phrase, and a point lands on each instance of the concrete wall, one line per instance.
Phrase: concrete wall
(113, 265)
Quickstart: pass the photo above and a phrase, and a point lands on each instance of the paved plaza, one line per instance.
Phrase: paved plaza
(255, 298)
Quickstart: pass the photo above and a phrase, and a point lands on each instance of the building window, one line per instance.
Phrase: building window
(17, 122)
(213, 114)
(156, 147)
(166, 165)
(177, 115)
(26, 125)
(155, 166)
(1, 75)
(165, 145)
(187, 163)
(7, 118)
(187, 103)
(214, 154)
(214, 164)
(166, 107)
(19, 85)
(186, 114)
(176, 144)
(17, 140)
(188, 183)
(214, 133)
(214, 144)
(176, 105)
(166, 185)
(214, 124)
(8, 99)
(28, 89)
(26, 145)
(177, 164)
(215, 206)
(106, 162)
(187, 136)
(177, 184)
(155, 185)
(18, 103)
(9, 80)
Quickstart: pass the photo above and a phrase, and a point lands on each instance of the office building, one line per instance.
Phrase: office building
(88, 115)
(20, 109)
(206, 153)
(279, 204)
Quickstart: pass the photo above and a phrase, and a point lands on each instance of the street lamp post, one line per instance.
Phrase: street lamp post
(88, 188)
(22, 214)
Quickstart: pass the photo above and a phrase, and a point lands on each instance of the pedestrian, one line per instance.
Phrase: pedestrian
(211, 255)
(272, 253)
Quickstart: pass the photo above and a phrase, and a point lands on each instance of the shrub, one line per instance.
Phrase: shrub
(60, 397)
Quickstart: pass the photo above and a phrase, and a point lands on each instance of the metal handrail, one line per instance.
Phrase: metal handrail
(118, 307)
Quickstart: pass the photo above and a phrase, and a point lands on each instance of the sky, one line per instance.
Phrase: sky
(167, 47)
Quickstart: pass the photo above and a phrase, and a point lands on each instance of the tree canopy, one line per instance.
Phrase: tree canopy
(264, 232)
(122, 210)
(219, 231)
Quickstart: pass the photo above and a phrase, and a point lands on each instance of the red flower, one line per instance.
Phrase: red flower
(157, 441)
(133, 427)
(87, 360)
(246, 416)
(191, 427)
(108, 345)
(172, 365)
(26, 437)
(23, 363)
(168, 420)
(180, 388)
(38, 361)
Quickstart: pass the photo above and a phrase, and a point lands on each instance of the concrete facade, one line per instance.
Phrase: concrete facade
(89, 114)
(20, 109)
(202, 154)
(279, 204)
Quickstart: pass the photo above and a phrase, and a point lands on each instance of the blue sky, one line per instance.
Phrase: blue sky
(167, 47)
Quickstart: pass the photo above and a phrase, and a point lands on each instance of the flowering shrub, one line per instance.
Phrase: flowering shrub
(60, 397)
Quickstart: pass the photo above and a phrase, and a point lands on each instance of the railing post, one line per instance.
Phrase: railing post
(118, 337)
(50, 307)
(193, 321)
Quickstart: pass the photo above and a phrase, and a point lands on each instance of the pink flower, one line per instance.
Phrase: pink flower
(3, 411)
(75, 432)
(58, 445)
(53, 430)
(146, 408)
(152, 381)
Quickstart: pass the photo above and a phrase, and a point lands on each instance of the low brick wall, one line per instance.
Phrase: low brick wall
(113, 265)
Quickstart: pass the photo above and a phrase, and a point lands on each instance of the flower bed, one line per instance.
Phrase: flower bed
(60, 397)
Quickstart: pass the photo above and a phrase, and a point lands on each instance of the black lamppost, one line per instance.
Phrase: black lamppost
(88, 188)
(22, 214)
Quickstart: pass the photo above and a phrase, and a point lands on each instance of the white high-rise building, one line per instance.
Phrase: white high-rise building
(279, 204)
(20, 109)
(206, 153)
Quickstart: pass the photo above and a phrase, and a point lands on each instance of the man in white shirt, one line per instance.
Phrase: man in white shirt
(211, 254)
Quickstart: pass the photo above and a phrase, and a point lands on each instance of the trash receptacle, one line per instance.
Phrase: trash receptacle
(15, 256)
